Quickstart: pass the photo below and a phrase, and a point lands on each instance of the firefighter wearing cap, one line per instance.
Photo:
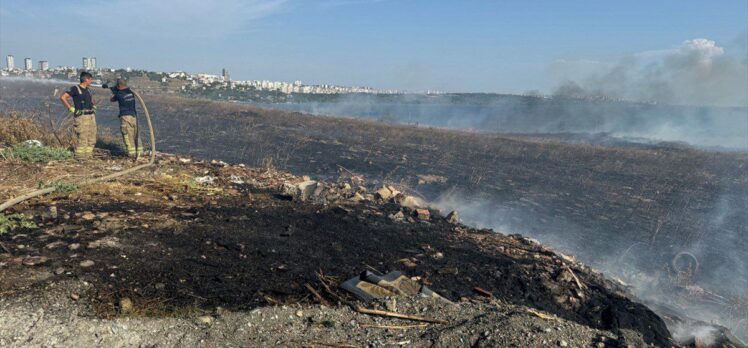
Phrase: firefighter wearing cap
(84, 113)
(127, 117)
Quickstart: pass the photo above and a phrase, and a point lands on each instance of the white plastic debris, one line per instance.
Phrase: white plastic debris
(32, 143)
(236, 180)
(205, 179)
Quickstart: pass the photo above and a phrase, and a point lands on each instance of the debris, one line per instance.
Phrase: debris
(234, 179)
(34, 260)
(540, 314)
(59, 271)
(483, 292)
(74, 246)
(423, 214)
(205, 319)
(383, 193)
(317, 343)
(87, 263)
(289, 190)
(453, 218)
(53, 212)
(88, 216)
(317, 295)
(368, 286)
(306, 189)
(394, 327)
(55, 245)
(357, 197)
(125, 305)
(399, 315)
(576, 280)
(206, 180)
(32, 143)
(399, 216)
(74, 296)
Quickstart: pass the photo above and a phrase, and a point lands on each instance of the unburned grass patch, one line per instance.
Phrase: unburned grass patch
(36, 154)
(12, 222)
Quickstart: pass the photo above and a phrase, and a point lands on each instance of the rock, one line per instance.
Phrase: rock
(306, 189)
(299, 313)
(74, 246)
(562, 343)
(53, 212)
(74, 296)
(399, 216)
(205, 319)
(383, 194)
(391, 305)
(393, 191)
(160, 286)
(318, 191)
(357, 197)
(125, 305)
(289, 190)
(185, 160)
(55, 245)
(34, 260)
(59, 271)
(87, 263)
(453, 218)
(88, 216)
(423, 214)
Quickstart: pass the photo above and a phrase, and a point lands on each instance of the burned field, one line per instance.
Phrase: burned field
(175, 245)
(628, 209)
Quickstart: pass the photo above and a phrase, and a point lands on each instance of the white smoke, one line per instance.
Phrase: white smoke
(698, 72)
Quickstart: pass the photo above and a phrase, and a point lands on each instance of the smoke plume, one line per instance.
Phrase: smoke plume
(698, 72)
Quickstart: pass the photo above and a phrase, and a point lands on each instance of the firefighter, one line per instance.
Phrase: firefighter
(127, 117)
(84, 113)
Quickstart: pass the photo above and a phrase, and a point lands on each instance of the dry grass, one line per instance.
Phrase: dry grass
(16, 128)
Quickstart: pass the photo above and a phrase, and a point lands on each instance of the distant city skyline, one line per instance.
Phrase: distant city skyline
(470, 46)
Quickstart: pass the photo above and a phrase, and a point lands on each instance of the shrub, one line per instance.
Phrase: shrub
(37, 154)
(12, 222)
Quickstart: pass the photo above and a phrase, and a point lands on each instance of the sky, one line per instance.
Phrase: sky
(456, 46)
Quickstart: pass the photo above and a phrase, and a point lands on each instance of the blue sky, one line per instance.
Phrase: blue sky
(489, 46)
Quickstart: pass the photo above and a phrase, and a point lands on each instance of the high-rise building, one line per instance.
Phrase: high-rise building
(10, 62)
(92, 61)
(225, 74)
(43, 65)
(28, 64)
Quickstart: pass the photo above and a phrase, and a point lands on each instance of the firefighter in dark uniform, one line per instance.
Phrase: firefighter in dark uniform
(127, 116)
(84, 113)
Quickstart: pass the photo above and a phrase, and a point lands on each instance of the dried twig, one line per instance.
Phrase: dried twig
(394, 327)
(317, 295)
(483, 292)
(398, 315)
(576, 280)
(323, 344)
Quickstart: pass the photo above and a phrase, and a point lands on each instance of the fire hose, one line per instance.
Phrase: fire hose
(13, 201)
